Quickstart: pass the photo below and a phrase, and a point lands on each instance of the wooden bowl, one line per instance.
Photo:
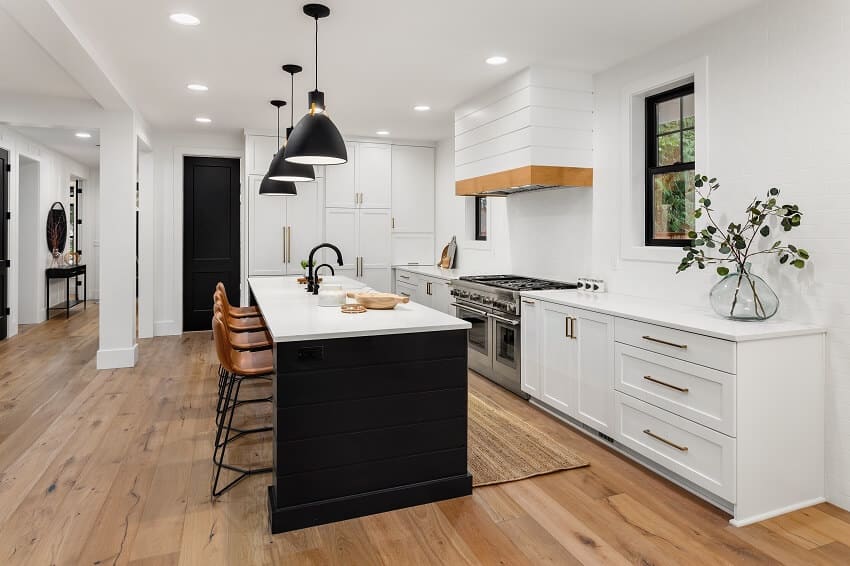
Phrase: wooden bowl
(303, 280)
(378, 301)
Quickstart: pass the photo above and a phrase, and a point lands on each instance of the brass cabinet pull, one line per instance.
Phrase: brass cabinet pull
(527, 302)
(288, 244)
(573, 328)
(671, 386)
(665, 441)
(403, 277)
(566, 327)
(666, 343)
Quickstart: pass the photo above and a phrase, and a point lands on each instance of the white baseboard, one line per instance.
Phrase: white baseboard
(744, 521)
(118, 357)
(166, 328)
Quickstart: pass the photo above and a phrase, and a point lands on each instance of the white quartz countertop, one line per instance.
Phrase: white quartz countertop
(293, 315)
(691, 319)
(432, 271)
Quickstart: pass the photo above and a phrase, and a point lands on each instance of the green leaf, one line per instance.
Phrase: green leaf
(783, 258)
(724, 249)
(793, 248)
(697, 213)
(692, 235)
(803, 253)
(773, 192)
(798, 263)
(740, 243)
(712, 180)
(765, 231)
(698, 182)
(707, 202)
(723, 271)
(711, 230)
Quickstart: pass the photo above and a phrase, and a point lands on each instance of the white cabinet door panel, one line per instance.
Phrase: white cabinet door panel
(304, 219)
(266, 231)
(595, 377)
(530, 344)
(340, 181)
(374, 174)
(261, 150)
(441, 296)
(341, 230)
(375, 244)
(378, 278)
(558, 359)
(413, 188)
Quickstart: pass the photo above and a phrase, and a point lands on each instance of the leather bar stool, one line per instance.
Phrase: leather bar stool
(243, 324)
(240, 366)
(235, 312)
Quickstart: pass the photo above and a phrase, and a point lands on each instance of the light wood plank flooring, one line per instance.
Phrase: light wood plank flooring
(113, 467)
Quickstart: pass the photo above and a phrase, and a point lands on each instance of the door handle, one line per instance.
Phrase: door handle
(393, 222)
(502, 319)
(289, 244)
(665, 441)
(470, 309)
(570, 330)
(665, 384)
(666, 343)
(283, 232)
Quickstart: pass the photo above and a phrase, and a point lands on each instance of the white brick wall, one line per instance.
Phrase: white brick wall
(778, 114)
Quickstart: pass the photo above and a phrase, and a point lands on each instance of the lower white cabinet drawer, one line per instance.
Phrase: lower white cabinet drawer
(699, 454)
(691, 347)
(404, 288)
(695, 392)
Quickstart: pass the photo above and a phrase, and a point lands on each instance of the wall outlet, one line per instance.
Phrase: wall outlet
(591, 285)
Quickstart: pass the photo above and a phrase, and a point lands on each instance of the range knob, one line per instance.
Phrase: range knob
(487, 300)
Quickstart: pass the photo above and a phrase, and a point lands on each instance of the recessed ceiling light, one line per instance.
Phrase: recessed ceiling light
(422, 108)
(382, 133)
(496, 60)
(198, 87)
(203, 120)
(83, 135)
(185, 19)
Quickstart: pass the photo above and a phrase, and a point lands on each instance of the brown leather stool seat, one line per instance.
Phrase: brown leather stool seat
(235, 312)
(245, 324)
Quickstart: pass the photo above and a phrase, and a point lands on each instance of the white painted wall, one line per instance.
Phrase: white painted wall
(168, 149)
(29, 213)
(55, 173)
(777, 113)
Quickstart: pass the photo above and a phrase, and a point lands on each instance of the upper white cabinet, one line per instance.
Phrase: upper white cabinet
(340, 181)
(282, 229)
(362, 235)
(413, 188)
(374, 175)
(259, 151)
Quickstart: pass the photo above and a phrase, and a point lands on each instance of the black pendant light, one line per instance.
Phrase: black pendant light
(316, 140)
(269, 186)
(281, 169)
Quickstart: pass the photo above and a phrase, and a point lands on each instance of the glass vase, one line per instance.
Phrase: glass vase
(744, 296)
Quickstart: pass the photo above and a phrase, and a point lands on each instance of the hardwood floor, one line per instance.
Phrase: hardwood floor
(113, 467)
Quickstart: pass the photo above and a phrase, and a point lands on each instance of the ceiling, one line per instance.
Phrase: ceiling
(84, 151)
(377, 59)
(26, 68)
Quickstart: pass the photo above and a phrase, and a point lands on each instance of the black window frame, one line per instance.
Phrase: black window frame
(480, 231)
(651, 168)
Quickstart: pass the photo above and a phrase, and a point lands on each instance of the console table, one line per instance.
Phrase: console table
(67, 273)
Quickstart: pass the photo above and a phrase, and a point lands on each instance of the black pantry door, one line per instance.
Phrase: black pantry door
(210, 236)
(4, 243)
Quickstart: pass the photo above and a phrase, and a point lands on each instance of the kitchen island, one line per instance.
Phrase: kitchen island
(370, 410)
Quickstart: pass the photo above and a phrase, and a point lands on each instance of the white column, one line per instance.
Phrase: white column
(118, 147)
(146, 244)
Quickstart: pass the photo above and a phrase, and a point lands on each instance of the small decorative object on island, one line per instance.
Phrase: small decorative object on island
(305, 266)
(742, 295)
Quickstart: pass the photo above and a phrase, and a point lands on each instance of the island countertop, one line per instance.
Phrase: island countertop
(293, 315)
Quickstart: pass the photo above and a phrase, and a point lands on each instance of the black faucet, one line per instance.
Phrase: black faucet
(312, 282)
(329, 266)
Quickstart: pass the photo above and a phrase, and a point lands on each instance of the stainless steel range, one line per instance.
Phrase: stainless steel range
(491, 304)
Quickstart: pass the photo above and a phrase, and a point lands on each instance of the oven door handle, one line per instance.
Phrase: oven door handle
(470, 309)
(503, 319)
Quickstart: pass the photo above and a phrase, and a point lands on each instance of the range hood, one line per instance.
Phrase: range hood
(532, 132)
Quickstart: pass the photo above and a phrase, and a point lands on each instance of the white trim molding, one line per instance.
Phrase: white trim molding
(118, 357)
(633, 135)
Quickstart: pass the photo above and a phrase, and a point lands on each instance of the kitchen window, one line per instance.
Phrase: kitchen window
(670, 155)
(481, 218)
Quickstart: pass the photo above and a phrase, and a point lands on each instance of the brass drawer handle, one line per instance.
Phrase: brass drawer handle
(527, 302)
(671, 386)
(680, 346)
(665, 441)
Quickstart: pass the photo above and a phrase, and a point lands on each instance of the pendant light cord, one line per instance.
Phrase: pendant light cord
(291, 101)
(278, 127)
(317, 53)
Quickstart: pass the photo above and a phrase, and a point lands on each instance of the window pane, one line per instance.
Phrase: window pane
(669, 149)
(667, 115)
(688, 146)
(673, 205)
(688, 111)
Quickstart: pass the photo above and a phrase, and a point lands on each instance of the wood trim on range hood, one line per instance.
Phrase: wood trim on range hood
(526, 178)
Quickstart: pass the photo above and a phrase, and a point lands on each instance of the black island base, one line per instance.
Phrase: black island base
(368, 424)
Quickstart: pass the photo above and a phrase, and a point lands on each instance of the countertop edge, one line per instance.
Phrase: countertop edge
(801, 329)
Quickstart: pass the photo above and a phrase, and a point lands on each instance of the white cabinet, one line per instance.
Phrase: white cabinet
(282, 229)
(569, 360)
(340, 181)
(412, 189)
(433, 292)
(362, 235)
(530, 340)
(374, 175)
(259, 151)
(441, 298)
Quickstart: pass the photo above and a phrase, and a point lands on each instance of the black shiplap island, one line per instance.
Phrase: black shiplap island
(370, 409)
